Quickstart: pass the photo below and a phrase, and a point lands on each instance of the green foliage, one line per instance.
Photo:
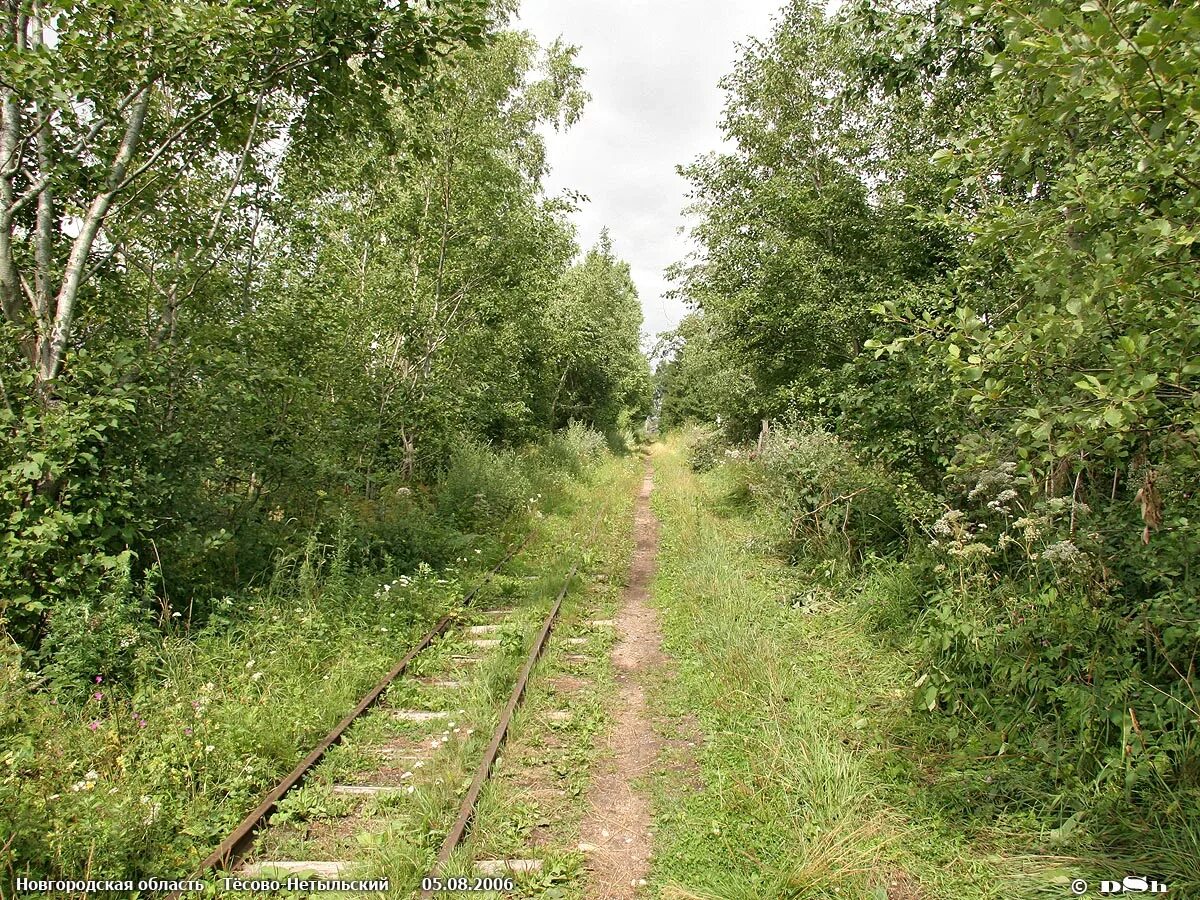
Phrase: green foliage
(705, 450)
(100, 632)
(696, 381)
(828, 499)
(954, 246)
(481, 490)
(595, 325)
(575, 447)
(72, 488)
(274, 339)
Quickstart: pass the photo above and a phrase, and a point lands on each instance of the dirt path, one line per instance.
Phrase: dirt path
(616, 829)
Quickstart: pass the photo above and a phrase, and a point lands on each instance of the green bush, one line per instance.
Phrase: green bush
(98, 634)
(482, 489)
(825, 500)
(575, 447)
(705, 449)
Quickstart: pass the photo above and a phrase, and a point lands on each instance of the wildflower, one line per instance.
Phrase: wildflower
(93, 725)
(176, 615)
(250, 665)
(209, 749)
(141, 723)
(99, 678)
(97, 696)
(188, 732)
(1064, 553)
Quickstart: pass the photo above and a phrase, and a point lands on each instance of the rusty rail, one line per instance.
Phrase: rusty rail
(231, 850)
(466, 811)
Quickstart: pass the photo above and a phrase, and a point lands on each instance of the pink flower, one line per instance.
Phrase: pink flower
(99, 678)
(188, 732)
(141, 723)
(93, 725)
(98, 696)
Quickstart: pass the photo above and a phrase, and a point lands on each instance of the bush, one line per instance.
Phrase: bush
(575, 447)
(825, 499)
(482, 489)
(705, 450)
(98, 634)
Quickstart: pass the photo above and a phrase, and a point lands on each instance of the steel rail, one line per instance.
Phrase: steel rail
(231, 850)
(466, 811)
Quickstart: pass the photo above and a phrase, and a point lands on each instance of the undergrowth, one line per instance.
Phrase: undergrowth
(1045, 695)
(135, 762)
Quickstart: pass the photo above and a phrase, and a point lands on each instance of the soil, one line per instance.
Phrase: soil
(616, 827)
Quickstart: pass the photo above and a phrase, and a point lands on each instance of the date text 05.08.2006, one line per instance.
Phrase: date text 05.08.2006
(466, 883)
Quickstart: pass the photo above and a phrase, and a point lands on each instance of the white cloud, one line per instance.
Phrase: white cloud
(652, 71)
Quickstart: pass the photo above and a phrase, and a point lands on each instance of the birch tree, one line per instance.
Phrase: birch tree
(102, 100)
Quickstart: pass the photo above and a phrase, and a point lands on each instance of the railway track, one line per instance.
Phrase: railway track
(421, 725)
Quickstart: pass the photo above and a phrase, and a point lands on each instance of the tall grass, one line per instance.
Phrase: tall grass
(145, 768)
(798, 787)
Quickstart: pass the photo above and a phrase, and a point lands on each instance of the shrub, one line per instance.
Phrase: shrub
(575, 447)
(705, 449)
(482, 489)
(98, 634)
(825, 499)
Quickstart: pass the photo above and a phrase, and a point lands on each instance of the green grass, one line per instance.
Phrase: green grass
(145, 781)
(398, 836)
(786, 777)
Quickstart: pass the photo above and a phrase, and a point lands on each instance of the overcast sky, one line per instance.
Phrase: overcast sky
(652, 70)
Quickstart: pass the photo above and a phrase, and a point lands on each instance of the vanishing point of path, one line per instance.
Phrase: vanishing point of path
(616, 828)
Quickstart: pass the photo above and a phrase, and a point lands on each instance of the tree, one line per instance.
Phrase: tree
(103, 103)
(595, 323)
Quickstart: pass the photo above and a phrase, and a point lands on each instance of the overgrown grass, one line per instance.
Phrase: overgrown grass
(147, 770)
(800, 784)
